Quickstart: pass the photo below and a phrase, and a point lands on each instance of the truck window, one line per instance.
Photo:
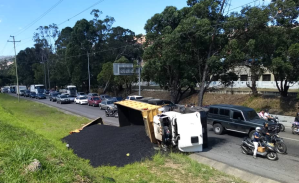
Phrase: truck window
(238, 115)
(213, 110)
(224, 112)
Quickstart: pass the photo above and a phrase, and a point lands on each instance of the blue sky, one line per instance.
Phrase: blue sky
(15, 15)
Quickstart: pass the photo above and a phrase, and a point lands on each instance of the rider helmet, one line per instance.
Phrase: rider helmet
(258, 129)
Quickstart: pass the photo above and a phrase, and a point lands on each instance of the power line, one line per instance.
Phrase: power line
(3, 48)
(241, 6)
(81, 12)
(40, 17)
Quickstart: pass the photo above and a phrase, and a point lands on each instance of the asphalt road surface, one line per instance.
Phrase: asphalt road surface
(223, 148)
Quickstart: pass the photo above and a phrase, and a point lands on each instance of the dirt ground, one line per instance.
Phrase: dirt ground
(276, 105)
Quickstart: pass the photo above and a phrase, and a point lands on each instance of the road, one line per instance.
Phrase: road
(223, 148)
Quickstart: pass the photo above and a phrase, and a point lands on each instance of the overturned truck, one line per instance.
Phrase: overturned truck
(185, 130)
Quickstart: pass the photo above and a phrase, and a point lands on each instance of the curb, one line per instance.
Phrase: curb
(246, 176)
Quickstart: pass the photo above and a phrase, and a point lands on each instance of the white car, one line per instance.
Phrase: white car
(134, 97)
(81, 100)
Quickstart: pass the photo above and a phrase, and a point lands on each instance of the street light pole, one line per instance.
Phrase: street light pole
(14, 43)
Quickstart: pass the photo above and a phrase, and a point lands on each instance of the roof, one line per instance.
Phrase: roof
(242, 108)
(140, 106)
(134, 96)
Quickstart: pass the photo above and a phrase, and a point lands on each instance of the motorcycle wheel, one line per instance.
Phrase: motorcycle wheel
(272, 156)
(244, 152)
(282, 128)
(281, 148)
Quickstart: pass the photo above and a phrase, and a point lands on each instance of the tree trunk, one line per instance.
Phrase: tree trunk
(202, 85)
(254, 77)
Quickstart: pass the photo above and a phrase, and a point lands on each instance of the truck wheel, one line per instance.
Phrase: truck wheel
(251, 134)
(218, 128)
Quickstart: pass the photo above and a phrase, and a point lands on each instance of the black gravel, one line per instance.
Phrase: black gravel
(109, 145)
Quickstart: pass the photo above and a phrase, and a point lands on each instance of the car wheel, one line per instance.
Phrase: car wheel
(218, 128)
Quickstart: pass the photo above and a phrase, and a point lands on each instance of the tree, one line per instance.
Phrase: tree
(166, 56)
(281, 51)
(248, 32)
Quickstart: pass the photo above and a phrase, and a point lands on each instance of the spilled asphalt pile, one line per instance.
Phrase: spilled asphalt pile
(109, 145)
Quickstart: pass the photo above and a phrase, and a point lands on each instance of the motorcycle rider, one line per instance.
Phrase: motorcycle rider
(297, 117)
(256, 140)
(262, 115)
(267, 115)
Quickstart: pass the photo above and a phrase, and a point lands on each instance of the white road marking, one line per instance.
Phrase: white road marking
(290, 139)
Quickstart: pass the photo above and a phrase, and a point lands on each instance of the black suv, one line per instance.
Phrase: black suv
(233, 118)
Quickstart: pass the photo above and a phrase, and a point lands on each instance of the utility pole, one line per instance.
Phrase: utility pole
(88, 73)
(14, 43)
(139, 69)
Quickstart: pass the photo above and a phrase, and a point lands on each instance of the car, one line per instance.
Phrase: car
(107, 104)
(53, 96)
(27, 93)
(22, 92)
(169, 105)
(40, 96)
(81, 94)
(94, 101)
(32, 94)
(105, 97)
(92, 94)
(72, 99)
(134, 97)
(239, 119)
(155, 102)
(81, 100)
(4, 90)
(62, 99)
(116, 99)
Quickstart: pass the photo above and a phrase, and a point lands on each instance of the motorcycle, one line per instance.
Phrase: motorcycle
(279, 144)
(268, 149)
(276, 121)
(295, 128)
(111, 113)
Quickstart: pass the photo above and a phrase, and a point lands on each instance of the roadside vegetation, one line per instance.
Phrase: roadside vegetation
(29, 130)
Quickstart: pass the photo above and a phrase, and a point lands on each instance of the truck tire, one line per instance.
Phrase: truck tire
(251, 134)
(218, 129)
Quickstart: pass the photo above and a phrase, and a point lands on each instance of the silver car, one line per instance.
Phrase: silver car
(107, 104)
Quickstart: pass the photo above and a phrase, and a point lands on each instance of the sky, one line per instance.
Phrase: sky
(21, 18)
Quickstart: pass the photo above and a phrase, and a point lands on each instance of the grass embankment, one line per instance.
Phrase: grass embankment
(29, 130)
(276, 105)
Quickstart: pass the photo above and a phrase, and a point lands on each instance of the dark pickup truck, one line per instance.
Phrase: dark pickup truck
(234, 118)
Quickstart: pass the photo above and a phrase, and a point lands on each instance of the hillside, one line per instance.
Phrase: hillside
(276, 105)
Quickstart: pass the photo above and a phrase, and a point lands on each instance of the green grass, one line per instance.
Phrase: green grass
(29, 130)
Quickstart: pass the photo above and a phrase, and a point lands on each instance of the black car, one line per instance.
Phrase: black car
(53, 96)
(27, 93)
(32, 95)
(40, 96)
(234, 118)
(62, 99)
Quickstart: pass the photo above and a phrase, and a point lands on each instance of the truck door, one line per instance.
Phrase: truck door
(190, 130)
(237, 121)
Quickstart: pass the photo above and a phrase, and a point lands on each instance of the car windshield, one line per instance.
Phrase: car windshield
(81, 93)
(82, 98)
(63, 96)
(94, 94)
(251, 115)
(110, 102)
(139, 97)
(107, 96)
(96, 98)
